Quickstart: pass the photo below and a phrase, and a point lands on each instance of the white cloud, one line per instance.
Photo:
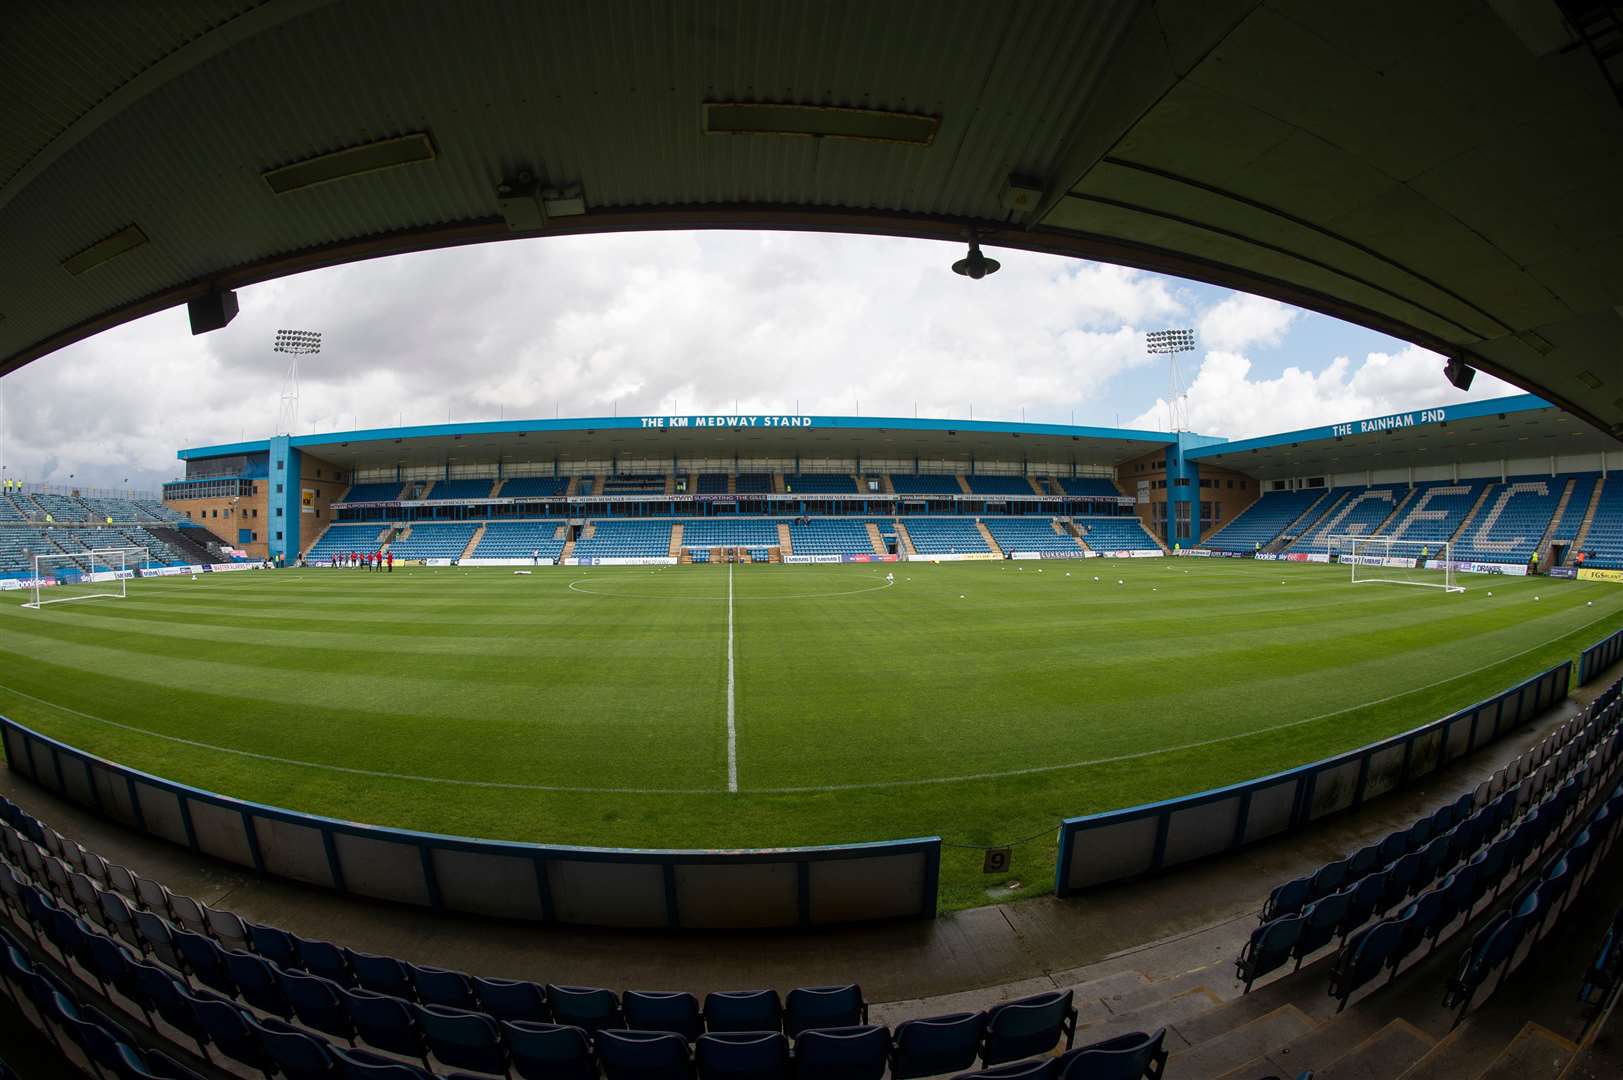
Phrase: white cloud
(1242, 320)
(590, 325)
(1224, 399)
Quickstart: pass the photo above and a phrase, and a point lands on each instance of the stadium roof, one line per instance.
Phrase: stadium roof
(659, 437)
(1446, 172)
(1499, 429)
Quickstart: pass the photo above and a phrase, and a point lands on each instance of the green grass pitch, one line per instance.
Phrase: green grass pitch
(978, 701)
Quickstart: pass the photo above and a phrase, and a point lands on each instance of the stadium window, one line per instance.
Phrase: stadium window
(278, 489)
(278, 511)
(278, 536)
(278, 464)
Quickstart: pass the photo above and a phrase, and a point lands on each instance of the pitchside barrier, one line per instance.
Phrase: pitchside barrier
(1120, 844)
(780, 887)
(1598, 657)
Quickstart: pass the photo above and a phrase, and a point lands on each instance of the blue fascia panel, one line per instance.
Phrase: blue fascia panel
(1468, 410)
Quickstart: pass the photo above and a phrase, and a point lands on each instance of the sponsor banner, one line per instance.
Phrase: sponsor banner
(1505, 569)
(803, 560)
(1077, 554)
(956, 556)
(10, 583)
(1134, 553)
(168, 571)
(514, 560)
(1587, 574)
(1025, 554)
(1318, 556)
(870, 558)
(107, 575)
(1564, 571)
(1377, 560)
(439, 562)
(1294, 556)
(225, 567)
(664, 560)
(1197, 553)
(1269, 556)
(307, 501)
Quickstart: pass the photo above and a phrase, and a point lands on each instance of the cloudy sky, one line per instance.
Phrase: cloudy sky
(696, 322)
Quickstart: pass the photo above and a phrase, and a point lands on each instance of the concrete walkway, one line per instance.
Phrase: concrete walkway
(1120, 938)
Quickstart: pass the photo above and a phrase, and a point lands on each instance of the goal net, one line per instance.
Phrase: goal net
(85, 575)
(1372, 559)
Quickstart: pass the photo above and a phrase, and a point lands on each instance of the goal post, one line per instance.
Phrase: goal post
(84, 575)
(1387, 561)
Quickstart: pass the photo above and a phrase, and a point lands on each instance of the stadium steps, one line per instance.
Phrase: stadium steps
(568, 551)
(986, 534)
(1036, 488)
(1470, 515)
(875, 539)
(885, 486)
(777, 483)
(1536, 1051)
(569, 491)
(189, 550)
(963, 484)
(676, 540)
(473, 541)
(1589, 516)
(732, 483)
(1396, 516)
(1296, 528)
(784, 545)
(388, 536)
(1066, 528)
(1312, 521)
(307, 547)
(1555, 518)
(905, 541)
(428, 491)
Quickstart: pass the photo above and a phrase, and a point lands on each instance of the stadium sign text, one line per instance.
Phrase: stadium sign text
(1389, 423)
(726, 421)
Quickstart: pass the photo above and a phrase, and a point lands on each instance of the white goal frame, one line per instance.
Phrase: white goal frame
(117, 561)
(1375, 555)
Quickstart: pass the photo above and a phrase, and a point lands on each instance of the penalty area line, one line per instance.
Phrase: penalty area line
(732, 727)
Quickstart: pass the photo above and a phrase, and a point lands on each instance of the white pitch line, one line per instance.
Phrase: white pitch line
(732, 729)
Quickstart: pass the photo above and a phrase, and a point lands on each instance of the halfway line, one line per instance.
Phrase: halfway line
(732, 730)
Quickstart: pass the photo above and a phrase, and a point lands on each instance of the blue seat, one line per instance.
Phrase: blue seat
(1033, 1025)
(743, 1010)
(506, 999)
(936, 1044)
(742, 1055)
(157, 939)
(355, 1064)
(277, 946)
(437, 986)
(1134, 1056)
(1286, 899)
(297, 1056)
(663, 1011)
(1368, 894)
(230, 1030)
(384, 1022)
(1363, 957)
(316, 1003)
(97, 1044)
(847, 1053)
(1490, 948)
(585, 1007)
(325, 960)
(1366, 860)
(823, 1007)
(1422, 920)
(159, 992)
(257, 983)
(111, 963)
(1268, 949)
(117, 916)
(380, 974)
(463, 1040)
(151, 1065)
(643, 1055)
(1321, 921)
(205, 961)
(549, 1051)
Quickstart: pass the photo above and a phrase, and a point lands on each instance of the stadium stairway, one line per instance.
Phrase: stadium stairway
(875, 539)
(1398, 512)
(188, 550)
(905, 540)
(1555, 518)
(1471, 514)
(785, 547)
(986, 534)
(1302, 523)
(473, 541)
(676, 540)
(1589, 516)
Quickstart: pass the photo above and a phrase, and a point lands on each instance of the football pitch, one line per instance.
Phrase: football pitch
(764, 706)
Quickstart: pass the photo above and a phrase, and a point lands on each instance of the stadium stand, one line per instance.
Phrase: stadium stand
(999, 485)
(712, 484)
(819, 484)
(61, 507)
(945, 535)
(462, 489)
(730, 532)
(757, 483)
(533, 487)
(1572, 518)
(1087, 487)
(925, 484)
(1352, 511)
(1603, 545)
(380, 492)
(343, 539)
(830, 536)
(628, 484)
(9, 510)
(626, 540)
(1435, 511)
(1106, 534)
(1029, 534)
(518, 539)
(434, 541)
(1511, 522)
(1261, 523)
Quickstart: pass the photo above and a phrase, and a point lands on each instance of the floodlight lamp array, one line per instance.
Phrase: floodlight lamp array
(298, 342)
(1169, 341)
